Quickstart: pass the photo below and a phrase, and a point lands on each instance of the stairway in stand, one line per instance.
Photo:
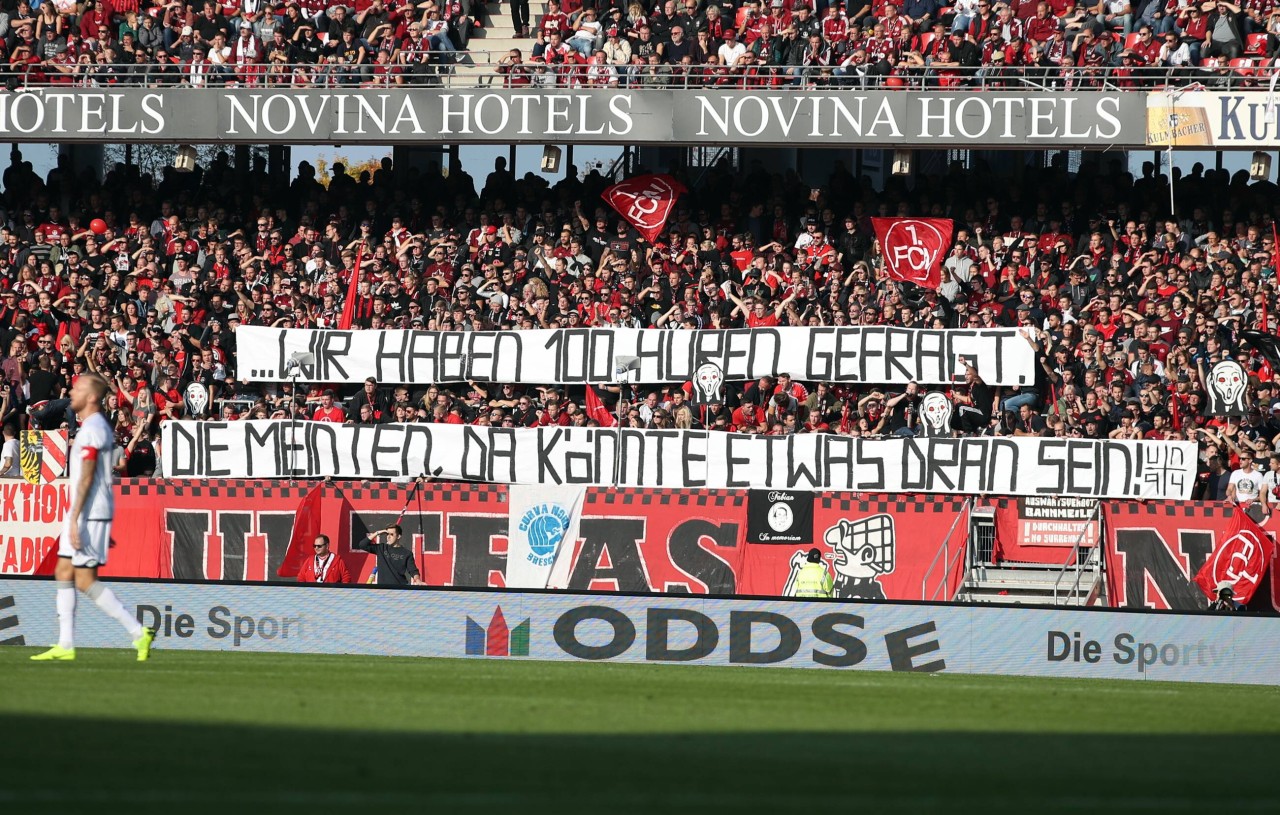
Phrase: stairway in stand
(491, 43)
(1035, 583)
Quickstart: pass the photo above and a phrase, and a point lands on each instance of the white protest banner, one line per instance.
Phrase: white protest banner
(680, 459)
(878, 355)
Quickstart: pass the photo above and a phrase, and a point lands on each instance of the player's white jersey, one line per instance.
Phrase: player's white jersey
(94, 447)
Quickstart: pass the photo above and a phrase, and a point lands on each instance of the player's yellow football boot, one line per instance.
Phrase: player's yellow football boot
(56, 653)
(143, 644)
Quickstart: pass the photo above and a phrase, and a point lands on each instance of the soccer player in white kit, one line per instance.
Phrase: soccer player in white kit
(86, 531)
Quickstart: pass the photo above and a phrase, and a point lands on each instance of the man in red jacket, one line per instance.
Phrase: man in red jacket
(325, 567)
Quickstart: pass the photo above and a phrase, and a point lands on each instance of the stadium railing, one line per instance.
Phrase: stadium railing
(485, 74)
(944, 553)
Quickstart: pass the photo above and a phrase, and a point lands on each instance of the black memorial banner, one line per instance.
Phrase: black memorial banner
(679, 459)
(780, 516)
(876, 354)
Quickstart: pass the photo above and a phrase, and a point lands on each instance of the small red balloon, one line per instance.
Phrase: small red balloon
(98, 226)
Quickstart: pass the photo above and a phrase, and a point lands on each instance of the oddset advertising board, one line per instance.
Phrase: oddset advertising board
(572, 627)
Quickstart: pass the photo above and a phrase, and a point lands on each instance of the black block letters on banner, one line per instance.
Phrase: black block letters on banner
(875, 354)
(680, 458)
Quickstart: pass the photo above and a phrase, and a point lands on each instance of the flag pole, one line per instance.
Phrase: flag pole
(617, 453)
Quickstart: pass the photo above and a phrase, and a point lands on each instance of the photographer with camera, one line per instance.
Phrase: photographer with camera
(1224, 598)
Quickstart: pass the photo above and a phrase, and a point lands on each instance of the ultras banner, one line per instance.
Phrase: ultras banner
(1155, 549)
(463, 535)
(615, 116)
(679, 459)
(575, 627)
(877, 355)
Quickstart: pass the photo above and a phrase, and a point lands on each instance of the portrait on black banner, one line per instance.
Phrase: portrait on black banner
(780, 516)
(1228, 388)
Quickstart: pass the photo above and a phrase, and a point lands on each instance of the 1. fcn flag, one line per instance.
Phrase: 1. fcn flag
(912, 248)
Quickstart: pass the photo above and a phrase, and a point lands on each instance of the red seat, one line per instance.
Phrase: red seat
(1242, 66)
(924, 40)
(1131, 41)
(1255, 45)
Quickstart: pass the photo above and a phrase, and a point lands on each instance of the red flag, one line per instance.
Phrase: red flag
(306, 525)
(645, 201)
(1241, 560)
(349, 305)
(48, 566)
(913, 248)
(596, 409)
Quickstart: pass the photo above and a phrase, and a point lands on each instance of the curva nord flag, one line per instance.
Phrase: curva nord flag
(1241, 559)
(913, 248)
(645, 201)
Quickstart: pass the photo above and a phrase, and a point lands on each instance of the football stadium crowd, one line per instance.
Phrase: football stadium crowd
(1126, 305)
(659, 43)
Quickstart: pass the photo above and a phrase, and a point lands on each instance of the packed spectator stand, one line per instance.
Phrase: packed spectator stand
(667, 43)
(1128, 307)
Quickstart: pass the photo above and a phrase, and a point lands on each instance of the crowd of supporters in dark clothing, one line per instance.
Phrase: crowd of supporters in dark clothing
(1126, 304)
(311, 43)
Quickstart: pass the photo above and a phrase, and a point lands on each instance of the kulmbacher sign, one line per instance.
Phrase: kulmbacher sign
(505, 115)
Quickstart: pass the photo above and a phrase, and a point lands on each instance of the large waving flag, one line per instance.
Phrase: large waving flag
(645, 201)
(1240, 560)
(913, 248)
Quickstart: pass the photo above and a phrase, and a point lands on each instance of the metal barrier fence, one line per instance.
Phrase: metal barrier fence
(486, 69)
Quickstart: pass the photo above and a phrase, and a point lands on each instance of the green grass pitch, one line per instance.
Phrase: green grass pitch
(238, 733)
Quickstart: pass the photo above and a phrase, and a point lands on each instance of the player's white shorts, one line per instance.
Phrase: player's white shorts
(95, 540)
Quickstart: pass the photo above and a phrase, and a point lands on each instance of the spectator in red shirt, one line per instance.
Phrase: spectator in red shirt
(324, 566)
(328, 411)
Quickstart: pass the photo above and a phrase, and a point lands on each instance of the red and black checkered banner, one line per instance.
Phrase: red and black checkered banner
(666, 541)
(685, 459)
(1155, 549)
(881, 355)
(877, 548)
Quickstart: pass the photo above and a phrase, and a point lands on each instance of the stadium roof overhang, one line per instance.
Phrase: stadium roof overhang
(760, 117)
